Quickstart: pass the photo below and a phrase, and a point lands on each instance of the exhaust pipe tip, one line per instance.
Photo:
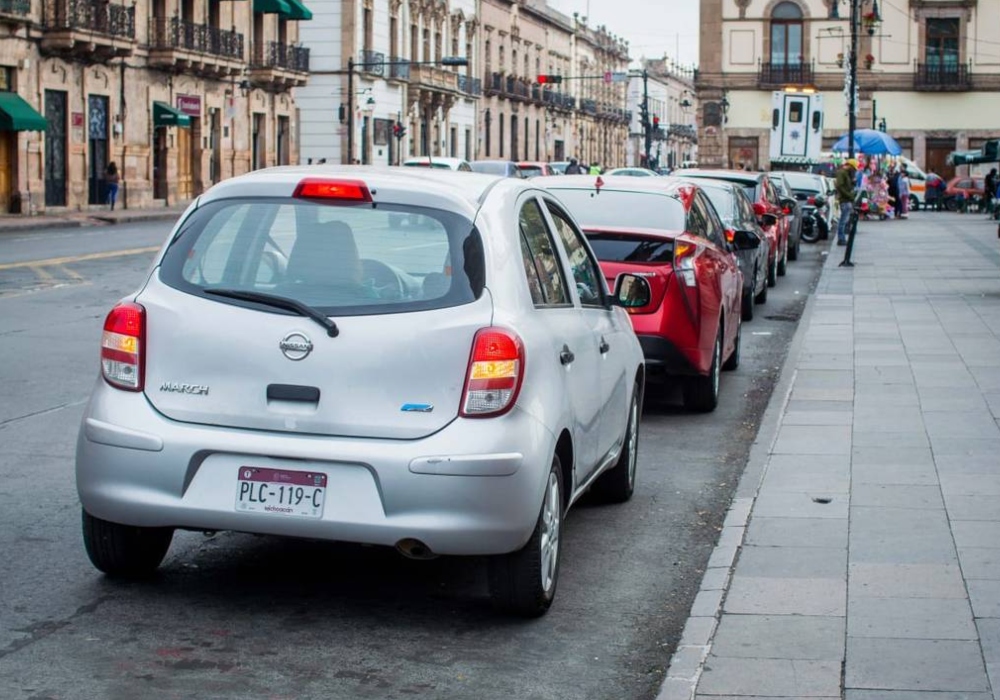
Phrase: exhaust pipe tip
(412, 548)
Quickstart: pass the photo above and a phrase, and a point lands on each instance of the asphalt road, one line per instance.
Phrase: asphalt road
(236, 616)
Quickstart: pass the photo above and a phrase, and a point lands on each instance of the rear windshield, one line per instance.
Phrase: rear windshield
(490, 168)
(425, 164)
(804, 181)
(616, 247)
(529, 170)
(343, 260)
(749, 186)
(623, 208)
(723, 202)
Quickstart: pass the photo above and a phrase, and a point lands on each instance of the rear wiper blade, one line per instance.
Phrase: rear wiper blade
(279, 303)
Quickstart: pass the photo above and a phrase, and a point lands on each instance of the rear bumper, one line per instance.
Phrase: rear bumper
(474, 487)
(664, 357)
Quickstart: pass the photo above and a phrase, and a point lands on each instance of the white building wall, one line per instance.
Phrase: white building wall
(320, 128)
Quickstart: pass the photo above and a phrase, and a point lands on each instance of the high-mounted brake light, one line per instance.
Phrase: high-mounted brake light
(341, 190)
(684, 254)
(811, 200)
(496, 369)
(123, 347)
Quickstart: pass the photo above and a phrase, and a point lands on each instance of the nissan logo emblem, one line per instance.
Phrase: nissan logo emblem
(296, 346)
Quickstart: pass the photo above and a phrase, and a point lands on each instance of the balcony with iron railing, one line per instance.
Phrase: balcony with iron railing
(493, 83)
(17, 10)
(776, 74)
(200, 48)
(517, 88)
(399, 68)
(277, 66)
(588, 107)
(372, 62)
(943, 77)
(89, 29)
(433, 78)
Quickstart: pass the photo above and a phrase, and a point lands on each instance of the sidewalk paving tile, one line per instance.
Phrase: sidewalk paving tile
(779, 677)
(813, 439)
(980, 563)
(900, 536)
(985, 597)
(951, 399)
(792, 562)
(915, 664)
(910, 618)
(897, 496)
(912, 695)
(825, 473)
(789, 504)
(797, 532)
(972, 507)
(752, 595)
(780, 637)
(877, 580)
(955, 425)
(976, 533)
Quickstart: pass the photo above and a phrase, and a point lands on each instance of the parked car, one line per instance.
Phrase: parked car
(736, 212)
(668, 232)
(813, 194)
(792, 210)
(438, 163)
(295, 366)
(504, 168)
(767, 207)
(559, 166)
(963, 191)
(631, 172)
(534, 168)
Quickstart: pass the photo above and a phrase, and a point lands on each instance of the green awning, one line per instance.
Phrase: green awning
(165, 115)
(18, 115)
(299, 11)
(272, 7)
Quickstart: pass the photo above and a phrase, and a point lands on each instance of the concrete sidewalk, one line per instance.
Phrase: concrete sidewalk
(860, 558)
(90, 217)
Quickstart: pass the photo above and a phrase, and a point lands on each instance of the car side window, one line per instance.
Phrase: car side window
(713, 226)
(541, 264)
(586, 271)
(696, 223)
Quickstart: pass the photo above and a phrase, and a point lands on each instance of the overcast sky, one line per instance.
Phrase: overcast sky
(652, 27)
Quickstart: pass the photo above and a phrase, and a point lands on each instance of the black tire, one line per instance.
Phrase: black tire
(733, 361)
(793, 252)
(701, 393)
(772, 272)
(524, 582)
(747, 301)
(125, 551)
(824, 230)
(761, 298)
(914, 203)
(617, 484)
(951, 204)
(783, 262)
(810, 233)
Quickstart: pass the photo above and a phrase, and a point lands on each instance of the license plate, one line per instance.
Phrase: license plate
(280, 492)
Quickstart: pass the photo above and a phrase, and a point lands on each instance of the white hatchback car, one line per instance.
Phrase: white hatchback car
(295, 364)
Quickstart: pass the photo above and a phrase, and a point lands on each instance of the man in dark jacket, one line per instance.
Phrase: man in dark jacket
(574, 167)
(844, 186)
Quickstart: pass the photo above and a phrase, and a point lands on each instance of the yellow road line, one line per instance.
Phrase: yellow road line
(70, 273)
(42, 273)
(79, 258)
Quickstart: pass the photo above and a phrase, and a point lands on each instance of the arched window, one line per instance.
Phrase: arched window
(786, 34)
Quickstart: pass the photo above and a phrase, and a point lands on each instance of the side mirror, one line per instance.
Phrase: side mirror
(745, 240)
(632, 291)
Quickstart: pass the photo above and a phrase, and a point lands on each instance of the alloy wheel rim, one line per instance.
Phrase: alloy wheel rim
(549, 541)
(715, 364)
(633, 440)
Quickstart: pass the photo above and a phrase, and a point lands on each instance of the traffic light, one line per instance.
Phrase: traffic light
(656, 123)
(398, 130)
(549, 79)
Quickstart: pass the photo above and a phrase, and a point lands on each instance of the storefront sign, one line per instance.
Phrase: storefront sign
(189, 104)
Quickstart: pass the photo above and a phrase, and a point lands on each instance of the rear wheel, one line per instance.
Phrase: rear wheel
(618, 483)
(733, 361)
(125, 551)
(793, 252)
(783, 263)
(761, 298)
(772, 272)
(701, 393)
(524, 582)
(914, 203)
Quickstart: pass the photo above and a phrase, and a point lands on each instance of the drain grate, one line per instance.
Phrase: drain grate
(782, 317)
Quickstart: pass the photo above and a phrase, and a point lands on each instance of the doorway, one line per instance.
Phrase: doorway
(282, 144)
(215, 145)
(183, 178)
(8, 167)
(55, 148)
(160, 163)
(196, 178)
(743, 152)
(257, 152)
(97, 140)
(938, 151)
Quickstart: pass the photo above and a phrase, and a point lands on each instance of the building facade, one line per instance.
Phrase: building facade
(669, 91)
(382, 89)
(928, 72)
(180, 94)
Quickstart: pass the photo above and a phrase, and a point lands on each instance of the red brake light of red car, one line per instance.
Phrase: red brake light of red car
(684, 262)
(730, 235)
(496, 369)
(341, 190)
(786, 210)
(759, 209)
(123, 347)
(811, 200)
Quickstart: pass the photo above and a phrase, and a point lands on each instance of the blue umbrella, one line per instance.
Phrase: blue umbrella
(871, 142)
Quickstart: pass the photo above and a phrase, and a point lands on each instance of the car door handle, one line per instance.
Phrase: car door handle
(566, 356)
(604, 346)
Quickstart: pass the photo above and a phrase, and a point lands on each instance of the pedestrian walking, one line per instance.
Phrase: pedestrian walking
(894, 197)
(844, 186)
(989, 190)
(595, 168)
(112, 178)
(574, 167)
(903, 189)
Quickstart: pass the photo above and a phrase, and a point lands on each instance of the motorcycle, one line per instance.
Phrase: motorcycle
(814, 224)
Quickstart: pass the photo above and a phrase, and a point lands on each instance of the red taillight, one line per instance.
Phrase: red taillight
(684, 254)
(123, 347)
(495, 372)
(811, 200)
(342, 190)
(786, 210)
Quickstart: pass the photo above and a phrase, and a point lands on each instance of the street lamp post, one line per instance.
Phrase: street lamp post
(852, 117)
(351, 65)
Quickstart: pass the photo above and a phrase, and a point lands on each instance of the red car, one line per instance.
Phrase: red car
(669, 233)
(770, 214)
(964, 191)
(534, 168)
